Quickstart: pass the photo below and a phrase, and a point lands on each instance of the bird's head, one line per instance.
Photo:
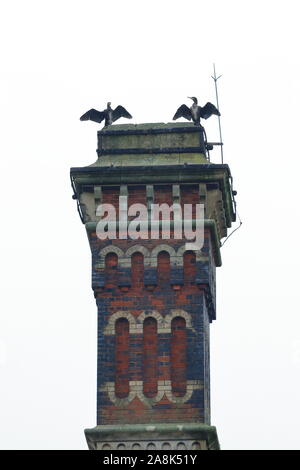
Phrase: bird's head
(109, 104)
(194, 99)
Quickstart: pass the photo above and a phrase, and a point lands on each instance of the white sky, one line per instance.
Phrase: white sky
(60, 58)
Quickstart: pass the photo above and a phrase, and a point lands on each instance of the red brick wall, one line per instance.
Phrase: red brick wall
(137, 195)
(189, 266)
(137, 271)
(163, 268)
(148, 357)
(150, 341)
(111, 274)
(122, 358)
(178, 356)
(110, 195)
(163, 194)
(189, 194)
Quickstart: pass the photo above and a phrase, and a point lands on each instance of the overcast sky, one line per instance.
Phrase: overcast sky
(60, 58)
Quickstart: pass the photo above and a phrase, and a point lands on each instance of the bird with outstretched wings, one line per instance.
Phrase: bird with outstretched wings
(120, 112)
(196, 112)
(93, 115)
(209, 110)
(183, 111)
(110, 115)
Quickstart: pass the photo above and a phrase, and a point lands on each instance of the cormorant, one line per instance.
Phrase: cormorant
(196, 112)
(110, 115)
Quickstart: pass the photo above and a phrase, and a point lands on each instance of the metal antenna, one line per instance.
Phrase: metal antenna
(215, 79)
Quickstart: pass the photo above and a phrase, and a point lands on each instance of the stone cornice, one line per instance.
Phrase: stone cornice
(160, 174)
(154, 432)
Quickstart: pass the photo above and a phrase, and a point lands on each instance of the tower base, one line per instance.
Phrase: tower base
(183, 436)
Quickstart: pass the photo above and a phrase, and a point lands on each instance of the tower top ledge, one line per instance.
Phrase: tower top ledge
(151, 144)
(154, 153)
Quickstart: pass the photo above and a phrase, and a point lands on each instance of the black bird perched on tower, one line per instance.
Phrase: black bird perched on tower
(110, 115)
(196, 112)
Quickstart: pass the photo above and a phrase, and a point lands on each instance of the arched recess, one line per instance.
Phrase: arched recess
(163, 267)
(105, 251)
(138, 249)
(179, 313)
(122, 358)
(189, 266)
(178, 356)
(150, 359)
(111, 270)
(181, 250)
(151, 313)
(158, 249)
(137, 270)
(110, 328)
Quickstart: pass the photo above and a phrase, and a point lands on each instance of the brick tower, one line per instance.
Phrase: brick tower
(155, 299)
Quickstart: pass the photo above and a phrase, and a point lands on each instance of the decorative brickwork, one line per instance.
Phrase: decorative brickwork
(150, 357)
(122, 358)
(155, 299)
(171, 383)
(178, 356)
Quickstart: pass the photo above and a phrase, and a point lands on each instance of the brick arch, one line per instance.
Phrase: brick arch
(151, 314)
(191, 386)
(181, 250)
(136, 390)
(179, 256)
(139, 249)
(110, 388)
(110, 328)
(164, 388)
(158, 249)
(110, 249)
(178, 313)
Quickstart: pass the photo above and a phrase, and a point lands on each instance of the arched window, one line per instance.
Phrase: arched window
(122, 358)
(178, 356)
(137, 270)
(150, 343)
(189, 266)
(163, 267)
(111, 273)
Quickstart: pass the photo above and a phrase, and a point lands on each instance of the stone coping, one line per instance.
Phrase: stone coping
(153, 431)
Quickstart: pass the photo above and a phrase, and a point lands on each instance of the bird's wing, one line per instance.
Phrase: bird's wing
(208, 110)
(120, 112)
(93, 115)
(183, 111)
